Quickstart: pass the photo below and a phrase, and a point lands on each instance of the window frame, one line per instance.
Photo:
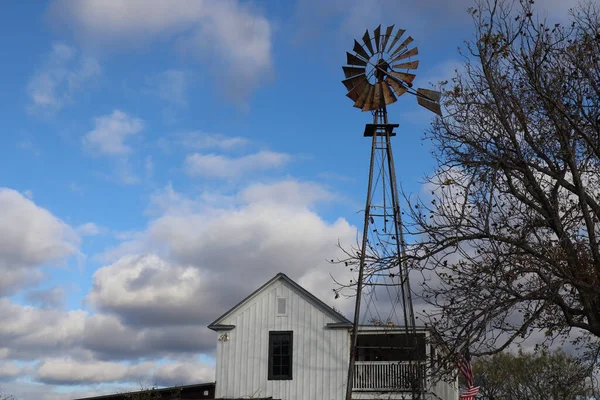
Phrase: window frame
(289, 376)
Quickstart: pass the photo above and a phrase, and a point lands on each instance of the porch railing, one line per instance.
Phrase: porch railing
(386, 376)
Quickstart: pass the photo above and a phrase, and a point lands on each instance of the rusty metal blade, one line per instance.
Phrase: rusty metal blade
(353, 71)
(403, 45)
(431, 95)
(363, 96)
(358, 49)
(377, 35)
(351, 59)
(352, 83)
(396, 38)
(412, 52)
(386, 37)
(406, 65)
(369, 100)
(430, 105)
(367, 41)
(398, 88)
(405, 77)
(388, 95)
(359, 84)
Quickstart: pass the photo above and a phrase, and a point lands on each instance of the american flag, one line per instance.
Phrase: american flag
(464, 366)
(470, 393)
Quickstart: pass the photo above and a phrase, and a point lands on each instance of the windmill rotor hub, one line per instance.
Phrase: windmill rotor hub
(381, 69)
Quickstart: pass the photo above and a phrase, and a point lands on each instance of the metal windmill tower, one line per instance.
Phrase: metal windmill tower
(378, 71)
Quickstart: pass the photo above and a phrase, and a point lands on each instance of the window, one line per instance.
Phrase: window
(280, 355)
(281, 305)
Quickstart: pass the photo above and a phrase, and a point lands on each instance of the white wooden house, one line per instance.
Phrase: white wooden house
(285, 343)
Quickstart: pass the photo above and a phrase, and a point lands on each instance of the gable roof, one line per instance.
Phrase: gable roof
(312, 299)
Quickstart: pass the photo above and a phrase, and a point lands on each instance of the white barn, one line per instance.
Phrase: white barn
(283, 342)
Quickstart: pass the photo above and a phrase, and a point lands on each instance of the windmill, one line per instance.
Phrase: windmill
(379, 70)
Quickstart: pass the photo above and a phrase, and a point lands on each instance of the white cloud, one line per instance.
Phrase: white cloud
(46, 298)
(88, 229)
(198, 247)
(63, 74)
(28, 332)
(69, 371)
(220, 166)
(110, 132)
(232, 37)
(31, 235)
(9, 370)
(201, 141)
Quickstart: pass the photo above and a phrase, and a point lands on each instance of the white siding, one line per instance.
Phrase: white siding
(320, 355)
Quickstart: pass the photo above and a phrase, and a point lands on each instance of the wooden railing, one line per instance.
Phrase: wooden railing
(386, 376)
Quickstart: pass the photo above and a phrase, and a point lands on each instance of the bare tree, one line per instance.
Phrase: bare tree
(4, 396)
(532, 376)
(509, 234)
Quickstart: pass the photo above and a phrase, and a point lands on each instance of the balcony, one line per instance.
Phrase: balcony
(385, 376)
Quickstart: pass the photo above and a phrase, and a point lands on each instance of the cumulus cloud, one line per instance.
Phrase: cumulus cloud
(46, 298)
(31, 237)
(63, 74)
(220, 166)
(72, 372)
(201, 141)
(202, 247)
(88, 229)
(232, 37)
(68, 371)
(110, 133)
(28, 332)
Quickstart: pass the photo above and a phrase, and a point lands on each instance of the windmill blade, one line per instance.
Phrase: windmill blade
(358, 88)
(360, 102)
(430, 100)
(403, 45)
(386, 37)
(353, 71)
(406, 65)
(353, 82)
(358, 49)
(367, 41)
(396, 38)
(354, 85)
(369, 100)
(405, 77)
(351, 59)
(388, 95)
(377, 35)
(398, 88)
(412, 52)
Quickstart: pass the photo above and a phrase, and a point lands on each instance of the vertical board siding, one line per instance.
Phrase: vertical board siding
(320, 355)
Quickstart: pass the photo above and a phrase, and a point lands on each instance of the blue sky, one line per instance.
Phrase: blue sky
(160, 161)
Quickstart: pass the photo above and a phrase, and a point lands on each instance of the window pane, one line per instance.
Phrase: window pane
(276, 370)
(285, 370)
